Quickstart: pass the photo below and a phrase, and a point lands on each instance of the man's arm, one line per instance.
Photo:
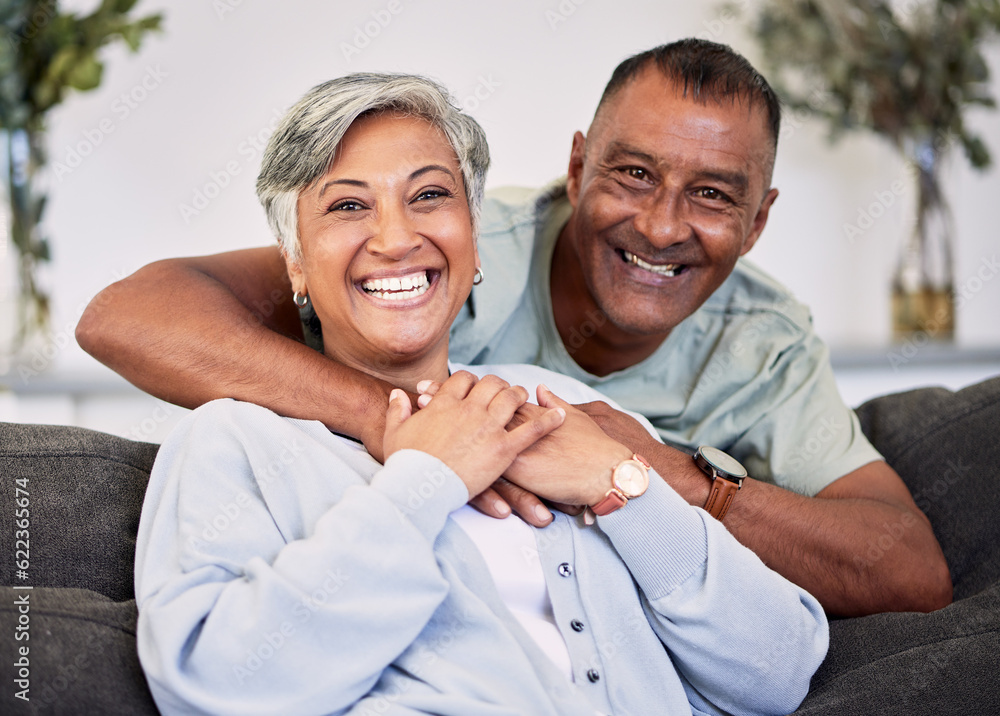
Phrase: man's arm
(224, 326)
(860, 546)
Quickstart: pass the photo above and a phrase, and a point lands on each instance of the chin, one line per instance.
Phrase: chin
(639, 318)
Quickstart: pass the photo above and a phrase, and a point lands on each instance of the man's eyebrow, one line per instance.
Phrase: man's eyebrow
(358, 183)
(737, 180)
(618, 150)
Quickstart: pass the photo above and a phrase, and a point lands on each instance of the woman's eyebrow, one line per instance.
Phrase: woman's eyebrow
(363, 184)
(348, 182)
(431, 168)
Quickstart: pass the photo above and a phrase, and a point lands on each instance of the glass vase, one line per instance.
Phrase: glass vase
(24, 306)
(923, 299)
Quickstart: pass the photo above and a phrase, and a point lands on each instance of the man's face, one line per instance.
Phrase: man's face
(667, 193)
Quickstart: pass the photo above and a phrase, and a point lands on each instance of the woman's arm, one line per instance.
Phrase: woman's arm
(270, 577)
(192, 330)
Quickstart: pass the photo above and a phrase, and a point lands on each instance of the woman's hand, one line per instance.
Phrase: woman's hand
(466, 427)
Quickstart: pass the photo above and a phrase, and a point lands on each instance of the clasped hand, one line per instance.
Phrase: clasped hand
(466, 427)
(564, 457)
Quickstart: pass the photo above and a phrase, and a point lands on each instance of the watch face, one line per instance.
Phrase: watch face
(631, 478)
(723, 462)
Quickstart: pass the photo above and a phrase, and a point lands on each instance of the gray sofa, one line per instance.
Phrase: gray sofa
(85, 493)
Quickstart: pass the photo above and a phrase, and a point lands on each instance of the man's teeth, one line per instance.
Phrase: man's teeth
(665, 270)
(397, 288)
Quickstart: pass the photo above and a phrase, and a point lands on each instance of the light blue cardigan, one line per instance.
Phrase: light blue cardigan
(281, 570)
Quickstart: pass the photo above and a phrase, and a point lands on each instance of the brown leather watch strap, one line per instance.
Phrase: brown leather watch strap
(721, 497)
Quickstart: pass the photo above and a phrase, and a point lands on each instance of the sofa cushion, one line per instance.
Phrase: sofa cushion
(84, 492)
(81, 655)
(946, 447)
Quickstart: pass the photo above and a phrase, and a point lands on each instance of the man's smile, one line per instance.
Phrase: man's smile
(668, 270)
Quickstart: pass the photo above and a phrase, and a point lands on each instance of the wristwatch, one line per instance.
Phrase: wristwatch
(727, 476)
(628, 481)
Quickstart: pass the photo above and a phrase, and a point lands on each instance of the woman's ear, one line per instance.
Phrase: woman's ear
(295, 275)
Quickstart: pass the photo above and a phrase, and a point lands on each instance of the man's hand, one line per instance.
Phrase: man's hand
(620, 426)
(466, 427)
(573, 464)
(505, 495)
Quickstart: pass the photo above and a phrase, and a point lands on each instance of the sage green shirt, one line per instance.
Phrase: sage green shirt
(745, 373)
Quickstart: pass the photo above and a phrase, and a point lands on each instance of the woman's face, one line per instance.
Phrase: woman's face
(387, 255)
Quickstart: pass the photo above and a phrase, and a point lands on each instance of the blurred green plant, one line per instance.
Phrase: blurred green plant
(906, 70)
(45, 53)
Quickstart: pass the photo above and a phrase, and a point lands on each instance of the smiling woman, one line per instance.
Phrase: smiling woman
(386, 253)
(342, 582)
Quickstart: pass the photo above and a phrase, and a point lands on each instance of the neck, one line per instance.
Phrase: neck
(591, 338)
(398, 371)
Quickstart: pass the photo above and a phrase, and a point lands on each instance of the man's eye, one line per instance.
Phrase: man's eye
(711, 194)
(636, 172)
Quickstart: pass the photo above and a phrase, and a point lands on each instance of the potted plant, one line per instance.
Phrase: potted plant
(907, 71)
(44, 53)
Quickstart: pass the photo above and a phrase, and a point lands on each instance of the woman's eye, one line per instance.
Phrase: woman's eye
(432, 194)
(347, 205)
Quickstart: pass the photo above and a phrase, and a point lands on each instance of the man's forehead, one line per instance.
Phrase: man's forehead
(652, 104)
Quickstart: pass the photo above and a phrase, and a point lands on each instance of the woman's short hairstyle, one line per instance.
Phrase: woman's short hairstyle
(304, 145)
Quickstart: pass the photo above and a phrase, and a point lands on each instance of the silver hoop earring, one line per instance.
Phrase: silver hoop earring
(300, 300)
(478, 278)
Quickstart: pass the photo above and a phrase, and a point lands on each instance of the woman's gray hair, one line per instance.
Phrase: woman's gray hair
(304, 145)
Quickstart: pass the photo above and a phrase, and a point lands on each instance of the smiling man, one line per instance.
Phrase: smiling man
(626, 275)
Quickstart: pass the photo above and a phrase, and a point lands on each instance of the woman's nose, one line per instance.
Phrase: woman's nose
(395, 236)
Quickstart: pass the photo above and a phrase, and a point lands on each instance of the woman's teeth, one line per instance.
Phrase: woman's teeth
(397, 288)
(665, 270)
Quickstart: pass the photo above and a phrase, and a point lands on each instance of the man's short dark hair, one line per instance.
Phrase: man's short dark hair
(706, 69)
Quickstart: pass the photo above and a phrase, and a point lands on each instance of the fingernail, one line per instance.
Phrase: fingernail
(542, 513)
(423, 385)
(394, 394)
(423, 400)
(501, 508)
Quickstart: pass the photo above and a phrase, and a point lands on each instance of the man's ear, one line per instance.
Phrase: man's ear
(574, 175)
(759, 221)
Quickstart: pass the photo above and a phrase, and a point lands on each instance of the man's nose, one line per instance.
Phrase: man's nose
(661, 220)
(395, 235)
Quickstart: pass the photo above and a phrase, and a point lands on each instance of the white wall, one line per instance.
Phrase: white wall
(531, 72)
